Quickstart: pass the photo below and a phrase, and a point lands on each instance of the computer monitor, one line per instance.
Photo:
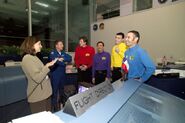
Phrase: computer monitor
(82, 89)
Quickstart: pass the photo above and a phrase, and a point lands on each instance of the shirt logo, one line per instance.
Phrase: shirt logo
(103, 58)
(131, 58)
(87, 54)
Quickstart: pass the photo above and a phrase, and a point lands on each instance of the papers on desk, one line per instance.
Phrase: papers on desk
(181, 72)
(180, 62)
(42, 117)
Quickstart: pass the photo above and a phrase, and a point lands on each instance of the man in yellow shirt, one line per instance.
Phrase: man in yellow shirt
(117, 56)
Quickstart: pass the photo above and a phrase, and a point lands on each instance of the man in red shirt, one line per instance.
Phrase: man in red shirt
(83, 60)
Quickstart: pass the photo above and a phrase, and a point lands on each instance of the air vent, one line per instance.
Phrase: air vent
(111, 14)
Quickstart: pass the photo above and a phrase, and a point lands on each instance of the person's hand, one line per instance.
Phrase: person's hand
(139, 79)
(84, 67)
(49, 64)
(106, 79)
(81, 67)
(93, 80)
(122, 79)
(117, 50)
(61, 59)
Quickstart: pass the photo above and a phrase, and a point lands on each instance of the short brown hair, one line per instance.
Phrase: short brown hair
(100, 42)
(136, 34)
(27, 45)
(120, 33)
(84, 38)
(57, 41)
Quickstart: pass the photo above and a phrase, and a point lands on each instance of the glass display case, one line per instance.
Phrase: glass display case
(150, 105)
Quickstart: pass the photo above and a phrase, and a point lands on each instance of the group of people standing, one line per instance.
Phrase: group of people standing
(126, 61)
(96, 68)
(46, 82)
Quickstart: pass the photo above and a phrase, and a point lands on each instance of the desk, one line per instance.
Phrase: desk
(174, 86)
(103, 110)
(13, 97)
(133, 102)
(4, 58)
(151, 105)
(13, 85)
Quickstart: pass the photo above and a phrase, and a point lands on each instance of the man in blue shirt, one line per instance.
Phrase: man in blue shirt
(101, 65)
(140, 64)
(58, 75)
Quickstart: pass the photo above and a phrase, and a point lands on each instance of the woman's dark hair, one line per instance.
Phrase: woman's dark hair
(27, 45)
(99, 42)
(84, 38)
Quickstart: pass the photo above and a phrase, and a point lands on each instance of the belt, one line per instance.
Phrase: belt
(137, 77)
(101, 71)
(116, 68)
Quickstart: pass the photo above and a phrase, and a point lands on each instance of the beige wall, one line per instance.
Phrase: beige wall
(162, 30)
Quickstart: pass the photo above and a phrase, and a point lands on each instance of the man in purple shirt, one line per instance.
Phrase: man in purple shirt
(101, 65)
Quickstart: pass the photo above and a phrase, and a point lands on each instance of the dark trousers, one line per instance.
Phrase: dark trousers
(57, 82)
(100, 76)
(116, 73)
(44, 105)
(85, 76)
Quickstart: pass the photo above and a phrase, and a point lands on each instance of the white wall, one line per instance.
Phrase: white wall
(168, 2)
(162, 30)
(125, 7)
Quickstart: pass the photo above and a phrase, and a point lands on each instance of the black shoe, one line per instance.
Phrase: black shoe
(55, 108)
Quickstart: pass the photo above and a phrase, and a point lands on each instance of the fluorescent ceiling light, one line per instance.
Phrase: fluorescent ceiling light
(34, 11)
(41, 4)
(55, 0)
(40, 12)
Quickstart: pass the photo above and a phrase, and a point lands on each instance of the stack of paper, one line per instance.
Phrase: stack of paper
(42, 117)
(180, 62)
(181, 72)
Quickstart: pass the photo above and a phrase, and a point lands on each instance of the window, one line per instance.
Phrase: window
(107, 9)
(78, 22)
(13, 22)
(141, 5)
(48, 21)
